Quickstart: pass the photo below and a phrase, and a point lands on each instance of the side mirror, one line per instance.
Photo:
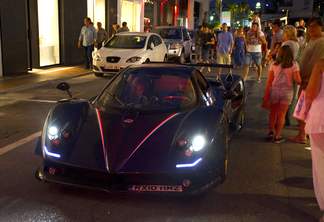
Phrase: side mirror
(92, 99)
(64, 86)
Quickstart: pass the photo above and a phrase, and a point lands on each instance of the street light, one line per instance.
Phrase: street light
(258, 5)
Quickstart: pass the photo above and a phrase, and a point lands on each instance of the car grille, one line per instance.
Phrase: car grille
(112, 59)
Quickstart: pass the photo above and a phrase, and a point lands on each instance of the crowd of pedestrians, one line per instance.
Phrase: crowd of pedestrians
(294, 58)
(91, 38)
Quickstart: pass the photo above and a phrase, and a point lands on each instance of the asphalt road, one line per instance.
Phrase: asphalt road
(266, 182)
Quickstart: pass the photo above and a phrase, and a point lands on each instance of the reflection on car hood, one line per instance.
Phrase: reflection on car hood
(123, 53)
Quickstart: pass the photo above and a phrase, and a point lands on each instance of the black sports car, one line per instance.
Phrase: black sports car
(153, 128)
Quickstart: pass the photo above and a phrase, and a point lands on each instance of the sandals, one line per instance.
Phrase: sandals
(270, 136)
(297, 139)
(279, 140)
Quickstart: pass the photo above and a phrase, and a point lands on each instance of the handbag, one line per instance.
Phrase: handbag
(301, 110)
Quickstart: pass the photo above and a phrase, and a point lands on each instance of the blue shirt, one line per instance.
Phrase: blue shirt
(88, 35)
(224, 42)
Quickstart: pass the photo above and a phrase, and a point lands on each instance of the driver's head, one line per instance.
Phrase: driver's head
(182, 86)
(138, 87)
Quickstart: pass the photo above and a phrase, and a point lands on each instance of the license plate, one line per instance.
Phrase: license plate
(113, 67)
(156, 188)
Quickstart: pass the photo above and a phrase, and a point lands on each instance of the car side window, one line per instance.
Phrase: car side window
(186, 35)
(149, 42)
(156, 40)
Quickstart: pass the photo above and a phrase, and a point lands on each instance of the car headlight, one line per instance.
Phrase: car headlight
(197, 143)
(133, 59)
(97, 58)
(53, 133)
(175, 46)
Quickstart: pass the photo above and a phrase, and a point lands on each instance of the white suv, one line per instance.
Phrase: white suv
(178, 41)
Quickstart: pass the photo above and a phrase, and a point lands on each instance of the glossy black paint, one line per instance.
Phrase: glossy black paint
(136, 143)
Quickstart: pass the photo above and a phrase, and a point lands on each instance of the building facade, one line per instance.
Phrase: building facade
(42, 33)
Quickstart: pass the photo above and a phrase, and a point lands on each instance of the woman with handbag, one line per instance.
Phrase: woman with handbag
(315, 129)
(279, 91)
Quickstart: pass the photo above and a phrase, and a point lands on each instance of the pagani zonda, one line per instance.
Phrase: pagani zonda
(153, 128)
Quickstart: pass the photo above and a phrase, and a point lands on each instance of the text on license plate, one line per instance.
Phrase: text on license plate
(113, 67)
(156, 188)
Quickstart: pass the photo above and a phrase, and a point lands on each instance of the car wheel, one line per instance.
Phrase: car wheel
(147, 61)
(99, 74)
(182, 58)
(165, 58)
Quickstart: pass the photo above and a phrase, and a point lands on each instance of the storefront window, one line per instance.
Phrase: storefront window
(48, 24)
(1, 72)
(131, 11)
(96, 11)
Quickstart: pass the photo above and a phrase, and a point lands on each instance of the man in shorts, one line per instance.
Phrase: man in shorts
(254, 40)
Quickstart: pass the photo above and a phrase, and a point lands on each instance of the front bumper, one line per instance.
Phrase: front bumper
(127, 182)
(174, 52)
(108, 71)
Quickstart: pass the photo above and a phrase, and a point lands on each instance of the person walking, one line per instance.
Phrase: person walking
(207, 40)
(102, 35)
(290, 39)
(276, 38)
(254, 40)
(124, 28)
(279, 91)
(315, 129)
(115, 28)
(87, 40)
(225, 44)
(239, 48)
(313, 52)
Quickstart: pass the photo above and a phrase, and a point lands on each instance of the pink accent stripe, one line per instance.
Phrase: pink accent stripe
(148, 135)
(102, 138)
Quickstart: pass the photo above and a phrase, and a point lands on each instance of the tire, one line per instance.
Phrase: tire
(182, 58)
(165, 58)
(147, 61)
(99, 74)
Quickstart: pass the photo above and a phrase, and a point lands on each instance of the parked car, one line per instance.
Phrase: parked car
(178, 41)
(153, 128)
(128, 48)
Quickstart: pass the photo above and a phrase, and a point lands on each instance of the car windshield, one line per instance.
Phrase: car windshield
(127, 42)
(150, 89)
(169, 33)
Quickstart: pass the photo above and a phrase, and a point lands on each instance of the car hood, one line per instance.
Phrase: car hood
(123, 53)
(136, 142)
(171, 41)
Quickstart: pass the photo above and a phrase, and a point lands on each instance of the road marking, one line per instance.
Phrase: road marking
(6, 149)
(38, 100)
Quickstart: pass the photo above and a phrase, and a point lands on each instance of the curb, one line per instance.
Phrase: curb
(41, 83)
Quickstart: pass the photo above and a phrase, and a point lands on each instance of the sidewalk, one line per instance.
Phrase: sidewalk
(39, 77)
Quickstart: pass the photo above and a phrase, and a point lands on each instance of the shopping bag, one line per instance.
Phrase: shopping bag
(301, 110)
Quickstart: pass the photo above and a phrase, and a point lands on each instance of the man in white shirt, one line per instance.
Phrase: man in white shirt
(254, 40)
(87, 40)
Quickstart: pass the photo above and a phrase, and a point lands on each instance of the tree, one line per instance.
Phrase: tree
(239, 11)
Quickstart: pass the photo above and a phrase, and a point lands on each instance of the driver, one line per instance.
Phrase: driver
(138, 90)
